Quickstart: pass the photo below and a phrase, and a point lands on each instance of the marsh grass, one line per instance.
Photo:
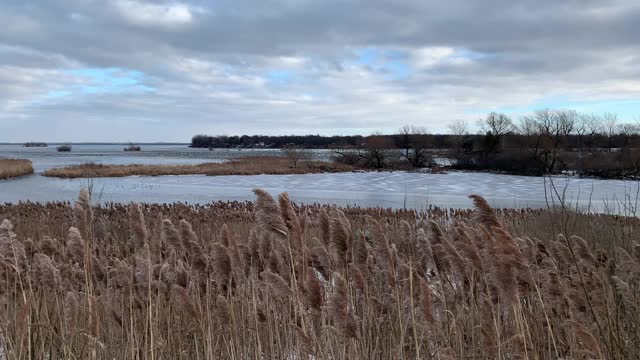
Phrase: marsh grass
(256, 165)
(273, 280)
(10, 168)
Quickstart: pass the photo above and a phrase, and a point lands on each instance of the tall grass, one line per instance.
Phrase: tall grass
(272, 280)
(255, 165)
(10, 168)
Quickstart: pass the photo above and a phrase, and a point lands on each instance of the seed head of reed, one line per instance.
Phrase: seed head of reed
(485, 213)
(44, 272)
(84, 214)
(171, 236)
(137, 225)
(268, 214)
(75, 246)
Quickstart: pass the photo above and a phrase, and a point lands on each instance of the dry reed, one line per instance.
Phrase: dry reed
(255, 165)
(274, 280)
(10, 168)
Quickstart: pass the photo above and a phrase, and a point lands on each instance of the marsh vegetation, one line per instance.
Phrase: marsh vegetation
(10, 168)
(256, 165)
(274, 280)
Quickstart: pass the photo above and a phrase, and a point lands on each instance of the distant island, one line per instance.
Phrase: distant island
(132, 147)
(35, 144)
(64, 148)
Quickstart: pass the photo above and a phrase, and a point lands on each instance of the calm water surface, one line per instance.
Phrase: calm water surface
(397, 189)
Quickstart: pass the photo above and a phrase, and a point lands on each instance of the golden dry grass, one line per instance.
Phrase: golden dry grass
(272, 165)
(10, 168)
(272, 280)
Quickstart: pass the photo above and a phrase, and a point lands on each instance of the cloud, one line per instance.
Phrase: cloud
(150, 14)
(71, 70)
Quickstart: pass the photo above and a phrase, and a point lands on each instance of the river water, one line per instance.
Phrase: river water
(378, 189)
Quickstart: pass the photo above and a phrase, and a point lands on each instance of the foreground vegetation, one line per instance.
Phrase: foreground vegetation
(271, 280)
(256, 165)
(10, 168)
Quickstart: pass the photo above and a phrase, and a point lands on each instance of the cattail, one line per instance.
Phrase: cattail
(486, 215)
(137, 225)
(75, 246)
(267, 214)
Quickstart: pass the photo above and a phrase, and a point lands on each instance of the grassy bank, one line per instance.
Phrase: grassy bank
(274, 280)
(10, 168)
(273, 165)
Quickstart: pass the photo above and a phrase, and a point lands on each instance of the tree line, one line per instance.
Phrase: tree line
(544, 142)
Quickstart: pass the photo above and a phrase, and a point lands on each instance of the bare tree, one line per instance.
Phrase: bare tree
(497, 124)
(414, 145)
(495, 127)
(295, 154)
(610, 126)
(376, 150)
(546, 132)
(459, 129)
(628, 131)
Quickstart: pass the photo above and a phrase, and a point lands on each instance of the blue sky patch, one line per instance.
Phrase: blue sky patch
(110, 81)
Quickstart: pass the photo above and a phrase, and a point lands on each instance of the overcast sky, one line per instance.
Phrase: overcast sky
(142, 70)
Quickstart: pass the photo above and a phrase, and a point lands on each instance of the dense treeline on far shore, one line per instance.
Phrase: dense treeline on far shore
(546, 142)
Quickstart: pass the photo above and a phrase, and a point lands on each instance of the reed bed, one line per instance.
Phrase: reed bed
(272, 280)
(10, 168)
(255, 165)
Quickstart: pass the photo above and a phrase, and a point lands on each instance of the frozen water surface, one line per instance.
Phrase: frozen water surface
(384, 189)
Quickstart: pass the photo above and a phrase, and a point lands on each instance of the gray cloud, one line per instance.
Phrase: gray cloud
(280, 66)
